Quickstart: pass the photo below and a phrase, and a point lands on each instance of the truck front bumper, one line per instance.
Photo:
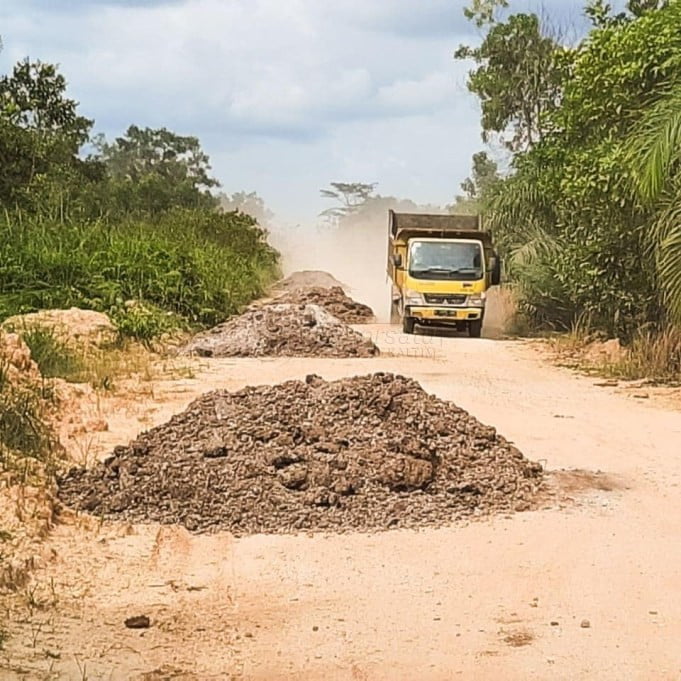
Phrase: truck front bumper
(444, 315)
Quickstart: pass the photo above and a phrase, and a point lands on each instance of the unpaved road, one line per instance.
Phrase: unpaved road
(500, 599)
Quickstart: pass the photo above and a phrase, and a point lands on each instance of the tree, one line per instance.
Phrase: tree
(518, 79)
(483, 12)
(656, 158)
(153, 170)
(250, 204)
(485, 175)
(601, 14)
(582, 242)
(41, 132)
(350, 195)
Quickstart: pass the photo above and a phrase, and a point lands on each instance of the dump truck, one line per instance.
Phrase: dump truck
(441, 267)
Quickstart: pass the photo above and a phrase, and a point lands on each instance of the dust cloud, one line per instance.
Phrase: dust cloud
(354, 252)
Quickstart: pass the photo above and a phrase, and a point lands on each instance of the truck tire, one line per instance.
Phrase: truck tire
(408, 324)
(475, 328)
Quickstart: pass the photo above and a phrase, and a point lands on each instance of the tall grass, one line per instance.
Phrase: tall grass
(25, 435)
(652, 354)
(186, 267)
(54, 357)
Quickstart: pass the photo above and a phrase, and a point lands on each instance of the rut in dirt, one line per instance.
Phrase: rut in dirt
(357, 454)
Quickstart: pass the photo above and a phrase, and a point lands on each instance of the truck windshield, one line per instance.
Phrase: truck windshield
(453, 260)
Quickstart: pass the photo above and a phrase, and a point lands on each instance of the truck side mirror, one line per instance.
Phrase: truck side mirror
(397, 260)
(496, 270)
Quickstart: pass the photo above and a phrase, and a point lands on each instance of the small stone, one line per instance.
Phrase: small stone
(585, 624)
(315, 628)
(138, 622)
(554, 623)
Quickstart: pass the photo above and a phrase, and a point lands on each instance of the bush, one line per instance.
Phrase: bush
(183, 268)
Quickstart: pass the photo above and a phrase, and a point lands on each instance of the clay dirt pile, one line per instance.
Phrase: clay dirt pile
(359, 454)
(333, 299)
(283, 330)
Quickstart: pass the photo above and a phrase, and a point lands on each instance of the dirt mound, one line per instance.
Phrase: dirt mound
(333, 299)
(363, 453)
(285, 331)
(81, 327)
(307, 279)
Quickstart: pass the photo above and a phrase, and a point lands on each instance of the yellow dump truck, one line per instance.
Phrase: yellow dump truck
(441, 267)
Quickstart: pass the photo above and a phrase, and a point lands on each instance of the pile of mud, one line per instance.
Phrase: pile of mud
(333, 299)
(364, 453)
(282, 330)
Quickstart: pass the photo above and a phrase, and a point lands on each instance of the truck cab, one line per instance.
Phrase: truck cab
(441, 267)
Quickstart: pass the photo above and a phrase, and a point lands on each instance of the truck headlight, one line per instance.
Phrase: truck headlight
(477, 300)
(413, 298)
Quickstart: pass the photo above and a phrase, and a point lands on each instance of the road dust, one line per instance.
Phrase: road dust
(354, 253)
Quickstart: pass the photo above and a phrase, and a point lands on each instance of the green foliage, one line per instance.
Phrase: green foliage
(249, 203)
(41, 132)
(517, 80)
(54, 357)
(350, 197)
(196, 267)
(655, 155)
(23, 425)
(483, 12)
(151, 171)
(578, 240)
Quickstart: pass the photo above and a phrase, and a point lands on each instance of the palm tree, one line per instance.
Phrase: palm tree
(656, 162)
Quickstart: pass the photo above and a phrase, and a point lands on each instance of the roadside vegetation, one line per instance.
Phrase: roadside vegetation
(589, 215)
(128, 227)
(131, 227)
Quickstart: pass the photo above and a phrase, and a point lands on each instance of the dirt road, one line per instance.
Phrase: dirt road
(503, 599)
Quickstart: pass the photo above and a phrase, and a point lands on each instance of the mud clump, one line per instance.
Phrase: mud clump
(282, 330)
(333, 299)
(359, 454)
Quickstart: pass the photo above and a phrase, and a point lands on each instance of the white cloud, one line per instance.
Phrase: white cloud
(286, 95)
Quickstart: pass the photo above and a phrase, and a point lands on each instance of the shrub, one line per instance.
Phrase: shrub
(184, 268)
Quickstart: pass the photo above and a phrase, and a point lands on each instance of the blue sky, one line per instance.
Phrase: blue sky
(285, 95)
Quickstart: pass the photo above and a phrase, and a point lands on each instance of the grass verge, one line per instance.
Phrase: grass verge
(189, 267)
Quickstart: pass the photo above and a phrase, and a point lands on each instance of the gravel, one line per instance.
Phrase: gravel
(359, 454)
(282, 330)
(333, 299)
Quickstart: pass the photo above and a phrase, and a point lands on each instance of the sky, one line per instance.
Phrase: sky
(286, 96)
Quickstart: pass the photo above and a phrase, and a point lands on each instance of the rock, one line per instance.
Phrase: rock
(585, 624)
(82, 327)
(138, 622)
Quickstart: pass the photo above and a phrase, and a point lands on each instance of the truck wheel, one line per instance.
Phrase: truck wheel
(408, 324)
(475, 328)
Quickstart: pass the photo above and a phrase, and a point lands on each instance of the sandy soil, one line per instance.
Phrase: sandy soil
(501, 599)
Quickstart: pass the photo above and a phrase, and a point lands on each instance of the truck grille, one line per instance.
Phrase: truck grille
(445, 299)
